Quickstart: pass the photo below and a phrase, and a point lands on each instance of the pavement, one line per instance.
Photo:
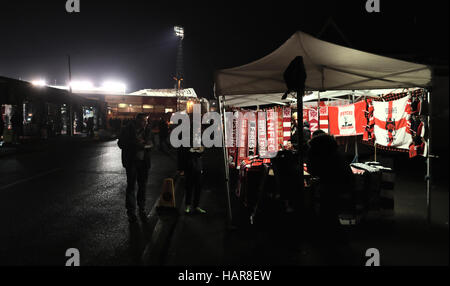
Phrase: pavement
(34, 144)
(281, 239)
(198, 239)
(70, 194)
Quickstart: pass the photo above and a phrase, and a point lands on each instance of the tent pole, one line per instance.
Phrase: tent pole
(375, 146)
(428, 177)
(356, 159)
(225, 159)
(301, 179)
(318, 106)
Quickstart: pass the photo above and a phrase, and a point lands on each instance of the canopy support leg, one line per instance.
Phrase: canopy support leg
(225, 159)
(300, 94)
(428, 176)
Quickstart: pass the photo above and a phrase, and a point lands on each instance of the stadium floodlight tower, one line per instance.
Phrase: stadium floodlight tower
(179, 32)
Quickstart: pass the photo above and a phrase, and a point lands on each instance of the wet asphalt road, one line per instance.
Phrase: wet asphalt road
(72, 196)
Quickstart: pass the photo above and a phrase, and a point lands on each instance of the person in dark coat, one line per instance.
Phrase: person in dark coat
(317, 133)
(17, 125)
(135, 141)
(325, 162)
(191, 165)
(306, 133)
(286, 167)
(90, 126)
(2, 125)
(163, 133)
(335, 179)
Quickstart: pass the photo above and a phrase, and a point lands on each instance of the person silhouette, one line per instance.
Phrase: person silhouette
(135, 141)
(325, 162)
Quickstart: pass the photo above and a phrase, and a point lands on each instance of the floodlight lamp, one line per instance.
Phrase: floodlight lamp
(179, 31)
(40, 82)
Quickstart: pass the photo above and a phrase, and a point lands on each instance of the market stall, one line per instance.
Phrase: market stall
(334, 71)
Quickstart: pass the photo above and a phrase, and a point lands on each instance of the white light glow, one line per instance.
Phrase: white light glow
(39, 82)
(81, 85)
(114, 86)
(88, 87)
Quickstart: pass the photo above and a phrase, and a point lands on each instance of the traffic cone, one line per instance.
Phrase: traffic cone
(167, 198)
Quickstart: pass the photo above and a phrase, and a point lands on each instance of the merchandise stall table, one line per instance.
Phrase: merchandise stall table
(257, 180)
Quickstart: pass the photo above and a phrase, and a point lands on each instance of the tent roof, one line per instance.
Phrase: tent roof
(328, 67)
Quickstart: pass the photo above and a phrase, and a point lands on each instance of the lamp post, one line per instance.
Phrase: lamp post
(179, 32)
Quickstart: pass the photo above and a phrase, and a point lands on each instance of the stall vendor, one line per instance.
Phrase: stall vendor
(325, 162)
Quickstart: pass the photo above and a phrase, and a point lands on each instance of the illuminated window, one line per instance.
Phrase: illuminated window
(168, 110)
(146, 106)
(122, 105)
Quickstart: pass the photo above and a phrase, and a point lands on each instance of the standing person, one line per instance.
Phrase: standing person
(85, 126)
(90, 126)
(294, 130)
(306, 136)
(2, 125)
(306, 133)
(16, 123)
(150, 126)
(285, 167)
(135, 141)
(190, 163)
(163, 133)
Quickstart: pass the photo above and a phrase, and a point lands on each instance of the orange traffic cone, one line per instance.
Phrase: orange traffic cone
(167, 198)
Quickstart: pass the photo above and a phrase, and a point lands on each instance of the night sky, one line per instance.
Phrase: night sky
(133, 41)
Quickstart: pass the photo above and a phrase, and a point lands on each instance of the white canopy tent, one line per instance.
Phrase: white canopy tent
(330, 68)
